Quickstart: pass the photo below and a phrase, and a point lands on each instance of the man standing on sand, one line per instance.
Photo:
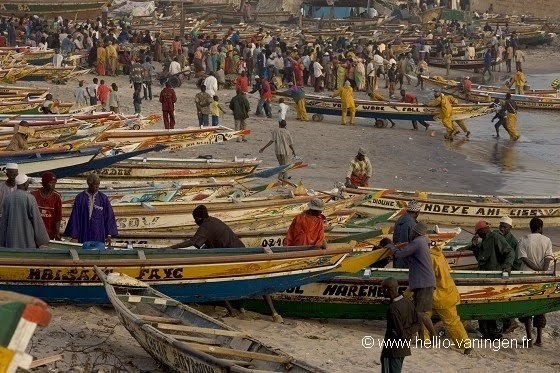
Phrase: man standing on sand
(50, 204)
(346, 94)
(92, 217)
(535, 250)
(403, 230)
(21, 225)
(282, 140)
(203, 101)
(359, 171)
(402, 325)
(168, 99)
(308, 228)
(493, 253)
(298, 95)
(446, 110)
(421, 277)
(240, 107)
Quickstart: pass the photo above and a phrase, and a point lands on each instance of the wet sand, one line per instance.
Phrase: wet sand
(92, 338)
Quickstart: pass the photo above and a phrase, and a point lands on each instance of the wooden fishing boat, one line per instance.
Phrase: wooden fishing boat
(46, 73)
(8, 91)
(440, 81)
(383, 110)
(39, 160)
(82, 10)
(20, 107)
(184, 339)
(163, 169)
(522, 101)
(32, 143)
(242, 215)
(188, 275)
(536, 38)
(464, 209)
(484, 296)
(459, 63)
(44, 119)
(20, 315)
(50, 131)
(431, 15)
(188, 134)
(33, 56)
(73, 169)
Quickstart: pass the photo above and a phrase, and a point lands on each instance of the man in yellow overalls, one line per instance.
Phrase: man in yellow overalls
(346, 94)
(511, 117)
(446, 298)
(519, 81)
(461, 123)
(446, 110)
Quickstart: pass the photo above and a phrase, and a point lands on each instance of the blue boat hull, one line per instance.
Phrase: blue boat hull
(184, 292)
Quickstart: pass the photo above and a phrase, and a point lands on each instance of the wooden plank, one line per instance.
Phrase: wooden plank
(159, 319)
(196, 329)
(188, 338)
(240, 353)
(46, 360)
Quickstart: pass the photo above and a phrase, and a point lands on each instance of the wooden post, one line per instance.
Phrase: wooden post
(182, 21)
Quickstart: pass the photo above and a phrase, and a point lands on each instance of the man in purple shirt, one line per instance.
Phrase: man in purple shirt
(421, 277)
(92, 217)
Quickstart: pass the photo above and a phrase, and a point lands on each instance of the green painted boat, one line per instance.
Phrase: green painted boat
(484, 295)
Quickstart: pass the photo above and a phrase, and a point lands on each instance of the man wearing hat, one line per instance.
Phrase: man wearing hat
(50, 204)
(308, 228)
(21, 225)
(421, 277)
(359, 171)
(493, 253)
(505, 230)
(19, 138)
(403, 230)
(212, 233)
(9, 185)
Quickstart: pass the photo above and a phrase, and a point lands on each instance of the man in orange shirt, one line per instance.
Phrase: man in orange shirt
(308, 228)
(50, 204)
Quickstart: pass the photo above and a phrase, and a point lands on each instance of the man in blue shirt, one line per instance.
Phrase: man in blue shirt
(421, 277)
(487, 63)
(402, 232)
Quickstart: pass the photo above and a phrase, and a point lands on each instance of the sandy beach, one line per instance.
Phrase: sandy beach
(92, 339)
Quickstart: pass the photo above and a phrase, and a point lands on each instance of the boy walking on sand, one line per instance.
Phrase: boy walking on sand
(402, 325)
(282, 140)
(215, 109)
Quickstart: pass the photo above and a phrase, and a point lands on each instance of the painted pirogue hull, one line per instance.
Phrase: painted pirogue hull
(248, 214)
(36, 161)
(65, 8)
(458, 64)
(448, 83)
(389, 110)
(196, 276)
(484, 295)
(170, 169)
(522, 101)
(465, 209)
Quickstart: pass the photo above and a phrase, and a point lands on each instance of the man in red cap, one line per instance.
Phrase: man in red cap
(50, 204)
(493, 253)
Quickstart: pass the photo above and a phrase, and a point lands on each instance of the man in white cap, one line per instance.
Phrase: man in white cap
(359, 171)
(9, 185)
(403, 230)
(21, 225)
(308, 228)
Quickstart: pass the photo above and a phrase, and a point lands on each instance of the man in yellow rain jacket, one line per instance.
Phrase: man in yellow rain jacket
(346, 94)
(444, 104)
(112, 59)
(461, 123)
(519, 81)
(446, 297)
(511, 117)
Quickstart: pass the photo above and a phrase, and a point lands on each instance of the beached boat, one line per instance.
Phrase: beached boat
(440, 81)
(463, 209)
(484, 296)
(20, 315)
(459, 63)
(189, 134)
(39, 160)
(383, 110)
(522, 101)
(88, 9)
(186, 340)
(188, 275)
(47, 73)
(241, 214)
(163, 169)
